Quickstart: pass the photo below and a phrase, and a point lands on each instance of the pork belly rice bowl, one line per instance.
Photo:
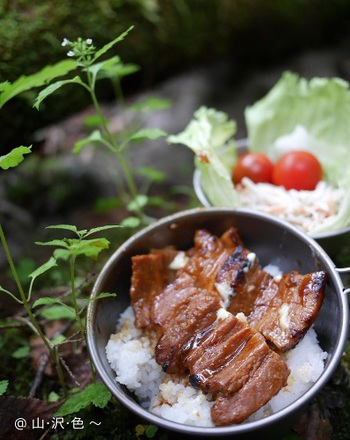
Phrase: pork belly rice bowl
(117, 340)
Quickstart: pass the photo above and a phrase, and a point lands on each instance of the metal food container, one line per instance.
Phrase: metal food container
(275, 242)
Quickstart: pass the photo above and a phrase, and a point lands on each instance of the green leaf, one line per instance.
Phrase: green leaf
(21, 353)
(209, 136)
(95, 136)
(89, 248)
(151, 430)
(148, 133)
(131, 222)
(53, 87)
(58, 312)
(62, 254)
(139, 201)
(151, 103)
(3, 386)
(58, 340)
(101, 228)
(43, 268)
(107, 204)
(96, 394)
(101, 296)
(93, 121)
(4, 86)
(38, 79)
(105, 66)
(109, 45)
(152, 174)
(53, 397)
(47, 300)
(56, 242)
(72, 228)
(14, 157)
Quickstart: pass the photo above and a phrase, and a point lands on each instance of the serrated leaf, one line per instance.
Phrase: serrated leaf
(89, 248)
(95, 136)
(148, 133)
(53, 87)
(109, 45)
(72, 228)
(58, 312)
(3, 386)
(55, 242)
(28, 82)
(96, 394)
(14, 157)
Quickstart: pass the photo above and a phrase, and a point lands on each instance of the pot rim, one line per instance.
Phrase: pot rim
(244, 428)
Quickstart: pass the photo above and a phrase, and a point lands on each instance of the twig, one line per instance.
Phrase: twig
(39, 374)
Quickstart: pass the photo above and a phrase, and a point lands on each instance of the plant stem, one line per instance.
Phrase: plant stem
(77, 312)
(110, 139)
(33, 320)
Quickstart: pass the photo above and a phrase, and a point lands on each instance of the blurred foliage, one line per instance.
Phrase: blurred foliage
(169, 36)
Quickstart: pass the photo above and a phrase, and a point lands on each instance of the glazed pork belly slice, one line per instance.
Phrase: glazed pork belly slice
(187, 306)
(209, 254)
(189, 311)
(151, 273)
(239, 280)
(281, 308)
(229, 362)
(287, 308)
(267, 381)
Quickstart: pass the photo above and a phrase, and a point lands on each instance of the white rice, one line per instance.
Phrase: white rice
(131, 355)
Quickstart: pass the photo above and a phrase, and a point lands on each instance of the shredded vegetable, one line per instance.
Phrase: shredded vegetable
(305, 209)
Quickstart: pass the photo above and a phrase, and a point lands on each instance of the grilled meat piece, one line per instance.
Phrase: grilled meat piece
(188, 306)
(286, 309)
(228, 363)
(150, 275)
(191, 312)
(268, 379)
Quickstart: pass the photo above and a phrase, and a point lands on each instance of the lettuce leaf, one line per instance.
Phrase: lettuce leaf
(209, 136)
(321, 106)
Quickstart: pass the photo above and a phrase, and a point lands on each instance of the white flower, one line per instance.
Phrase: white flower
(89, 41)
(64, 42)
(70, 54)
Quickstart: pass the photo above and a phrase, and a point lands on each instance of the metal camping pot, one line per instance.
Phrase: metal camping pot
(275, 242)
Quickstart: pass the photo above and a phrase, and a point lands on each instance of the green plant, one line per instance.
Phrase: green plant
(86, 59)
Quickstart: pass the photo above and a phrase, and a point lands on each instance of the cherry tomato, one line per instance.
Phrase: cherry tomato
(298, 170)
(256, 166)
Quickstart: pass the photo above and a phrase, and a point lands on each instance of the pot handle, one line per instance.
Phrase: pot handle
(344, 270)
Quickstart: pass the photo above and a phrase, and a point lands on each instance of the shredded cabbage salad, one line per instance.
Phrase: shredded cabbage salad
(296, 114)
